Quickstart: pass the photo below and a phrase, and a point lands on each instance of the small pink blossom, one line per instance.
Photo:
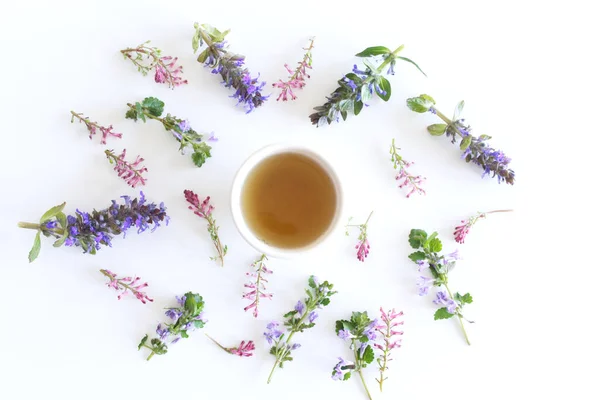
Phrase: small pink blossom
(129, 172)
(297, 78)
(412, 182)
(204, 210)
(243, 350)
(126, 285)
(146, 58)
(363, 247)
(461, 231)
(256, 285)
(93, 127)
(388, 333)
(160, 76)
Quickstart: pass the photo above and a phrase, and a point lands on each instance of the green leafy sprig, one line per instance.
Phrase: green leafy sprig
(47, 227)
(153, 108)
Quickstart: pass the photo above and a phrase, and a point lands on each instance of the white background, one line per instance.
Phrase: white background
(526, 71)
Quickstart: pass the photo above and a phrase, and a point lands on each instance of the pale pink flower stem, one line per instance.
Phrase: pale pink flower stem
(158, 62)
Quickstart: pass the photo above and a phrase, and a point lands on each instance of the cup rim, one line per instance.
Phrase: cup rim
(236, 205)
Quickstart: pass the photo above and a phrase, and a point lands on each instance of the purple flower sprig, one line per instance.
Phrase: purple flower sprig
(356, 88)
(302, 317)
(94, 127)
(91, 231)
(147, 58)
(475, 149)
(256, 287)
(229, 65)
(412, 182)
(297, 78)
(388, 333)
(130, 172)
(188, 317)
(244, 349)
(427, 257)
(126, 285)
(461, 231)
(152, 108)
(361, 332)
(362, 247)
(205, 210)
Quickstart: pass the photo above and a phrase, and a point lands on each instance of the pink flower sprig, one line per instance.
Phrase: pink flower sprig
(363, 247)
(257, 285)
(388, 333)
(205, 210)
(297, 78)
(461, 231)
(406, 179)
(93, 127)
(146, 58)
(130, 172)
(243, 350)
(126, 285)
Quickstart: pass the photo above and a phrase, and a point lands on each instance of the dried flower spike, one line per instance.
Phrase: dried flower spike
(125, 285)
(92, 230)
(205, 210)
(427, 257)
(297, 78)
(388, 332)
(362, 247)
(229, 65)
(356, 88)
(181, 130)
(475, 149)
(188, 317)
(256, 285)
(129, 172)
(461, 231)
(93, 127)
(146, 58)
(406, 178)
(245, 349)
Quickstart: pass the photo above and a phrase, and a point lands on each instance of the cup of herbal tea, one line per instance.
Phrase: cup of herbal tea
(286, 199)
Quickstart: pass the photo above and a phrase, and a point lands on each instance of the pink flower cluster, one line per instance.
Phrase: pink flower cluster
(257, 285)
(93, 127)
(461, 231)
(388, 333)
(130, 172)
(297, 78)
(243, 350)
(125, 285)
(166, 71)
(204, 209)
(408, 180)
(363, 249)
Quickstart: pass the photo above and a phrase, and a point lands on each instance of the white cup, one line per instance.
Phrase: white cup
(236, 199)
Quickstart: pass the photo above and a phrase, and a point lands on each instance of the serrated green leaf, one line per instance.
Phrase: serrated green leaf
(435, 245)
(385, 85)
(198, 324)
(200, 154)
(374, 51)
(358, 106)
(458, 110)
(442, 313)
(143, 342)
(154, 106)
(325, 302)
(52, 212)
(416, 238)
(131, 114)
(465, 143)
(35, 250)
(437, 129)
(465, 299)
(413, 63)
(347, 375)
(369, 355)
(417, 256)
(184, 334)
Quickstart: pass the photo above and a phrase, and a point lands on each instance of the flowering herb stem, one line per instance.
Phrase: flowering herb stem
(363, 247)
(243, 350)
(166, 70)
(362, 379)
(257, 287)
(131, 172)
(461, 231)
(296, 79)
(125, 284)
(205, 210)
(406, 178)
(92, 127)
(387, 332)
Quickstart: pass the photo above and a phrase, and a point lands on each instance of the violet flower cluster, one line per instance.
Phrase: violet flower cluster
(256, 286)
(244, 349)
(188, 317)
(130, 172)
(205, 210)
(461, 231)
(356, 88)
(126, 285)
(427, 257)
(412, 182)
(94, 127)
(229, 65)
(297, 78)
(146, 58)
(91, 231)
(362, 247)
(302, 317)
(475, 149)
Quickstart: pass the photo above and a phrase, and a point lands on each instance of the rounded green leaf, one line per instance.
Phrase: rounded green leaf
(465, 143)
(52, 212)
(387, 89)
(458, 110)
(358, 105)
(437, 129)
(374, 51)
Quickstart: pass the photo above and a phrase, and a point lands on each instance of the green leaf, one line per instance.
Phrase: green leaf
(344, 114)
(290, 314)
(198, 324)
(197, 38)
(311, 282)
(53, 212)
(420, 104)
(458, 110)
(365, 93)
(35, 250)
(413, 63)
(417, 256)
(154, 106)
(465, 142)
(347, 375)
(190, 304)
(369, 355)
(358, 106)
(484, 137)
(346, 105)
(374, 51)
(464, 299)
(203, 56)
(184, 334)
(200, 154)
(435, 245)
(442, 313)
(62, 219)
(131, 114)
(325, 302)
(416, 238)
(387, 88)
(437, 129)
(143, 342)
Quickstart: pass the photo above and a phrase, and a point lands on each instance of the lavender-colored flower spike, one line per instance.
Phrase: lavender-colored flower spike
(257, 285)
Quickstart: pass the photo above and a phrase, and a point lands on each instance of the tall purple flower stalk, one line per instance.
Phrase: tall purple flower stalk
(126, 285)
(297, 78)
(388, 335)
(412, 182)
(94, 127)
(146, 58)
(229, 65)
(256, 285)
(362, 247)
(130, 172)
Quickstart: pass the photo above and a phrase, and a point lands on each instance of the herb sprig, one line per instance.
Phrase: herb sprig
(413, 182)
(146, 58)
(362, 247)
(94, 127)
(297, 78)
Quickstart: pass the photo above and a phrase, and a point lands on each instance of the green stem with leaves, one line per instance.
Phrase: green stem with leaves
(284, 348)
(460, 318)
(358, 366)
(389, 58)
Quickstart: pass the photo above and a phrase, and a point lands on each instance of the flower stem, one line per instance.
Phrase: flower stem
(147, 114)
(286, 343)
(460, 318)
(304, 60)
(497, 211)
(389, 58)
(364, 383)
(29, 225)
(217, 343)
(112, 157)
(359, 370)
(448, 121)
(86, 121)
